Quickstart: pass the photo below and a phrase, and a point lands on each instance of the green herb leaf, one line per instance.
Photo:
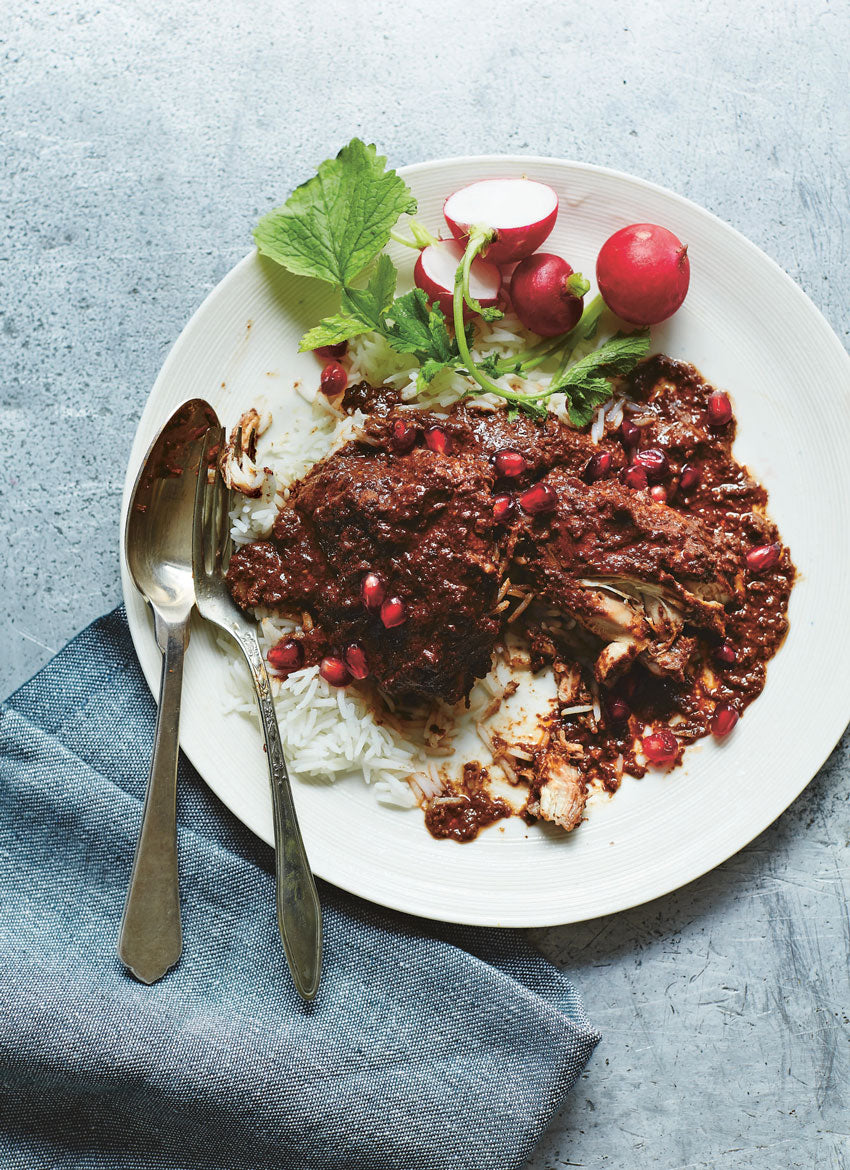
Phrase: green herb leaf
(586, 383)
(336, 223)
(332, 331)
(420, 329)
(363, 309)
(583, 401)
(369, 304)
(428, 372)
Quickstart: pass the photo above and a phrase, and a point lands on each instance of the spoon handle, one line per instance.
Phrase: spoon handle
(299, 914)
(151, 938)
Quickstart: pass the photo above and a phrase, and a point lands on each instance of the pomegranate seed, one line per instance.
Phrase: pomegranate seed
(634, 477)
(287, 655)
(334, 671)
(629, 433)
(332, 351)
(355, 660)
(723, 720)
(334, 379)
(599, 466)
(439, 440)
(502, 507)
(689, 478)
(537, 499)
(510, 463)
(659, 494)
(619, 710)
(719, 409)
(726, 653)
(661, 747)
(763, 558)
(373, 591)
(404, 437)
(654, 462)
(392, 612)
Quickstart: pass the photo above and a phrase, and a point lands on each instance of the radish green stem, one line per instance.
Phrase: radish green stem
(421, 236)
(583, 330)
(400, 239)
(535, 355)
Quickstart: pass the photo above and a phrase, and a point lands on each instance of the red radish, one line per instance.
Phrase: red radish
(392, 612)
(654, 462)
(547, 296)
(690, 477)
(331, 351)
(634, 477)
(355, 660)
(763, 558)
(537, 499)
(509, 463)
(661, 747)
(726, 654)
(502, 507)
(438, 439)
(643, 273)
(373, 591)
(435, 275)
(598, 466)
(334, 671)
(723, 720)
(522, 213)
(659, 494)
(334, 379)
(404, 437)
(286, 656)
(719, 409)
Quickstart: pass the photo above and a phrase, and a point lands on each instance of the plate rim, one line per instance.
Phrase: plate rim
(140, 629)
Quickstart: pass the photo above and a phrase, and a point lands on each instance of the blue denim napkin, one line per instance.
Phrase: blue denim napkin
(429, 1047)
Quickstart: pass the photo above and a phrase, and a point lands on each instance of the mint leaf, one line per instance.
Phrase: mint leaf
(331, 331)
(333, 225)
(584, 401)
(586, 384)
(618, 355)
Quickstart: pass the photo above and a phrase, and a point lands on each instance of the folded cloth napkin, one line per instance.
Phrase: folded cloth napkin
(428, 1046)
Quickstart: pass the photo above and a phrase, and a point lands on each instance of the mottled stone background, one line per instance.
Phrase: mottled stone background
(141, 140)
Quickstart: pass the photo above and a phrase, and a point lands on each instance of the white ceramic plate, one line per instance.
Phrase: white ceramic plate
(750, 330)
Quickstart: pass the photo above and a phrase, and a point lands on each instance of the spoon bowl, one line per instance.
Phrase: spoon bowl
(158, 532)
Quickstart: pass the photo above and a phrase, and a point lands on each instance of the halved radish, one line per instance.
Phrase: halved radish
(435, 275)
(521, 212)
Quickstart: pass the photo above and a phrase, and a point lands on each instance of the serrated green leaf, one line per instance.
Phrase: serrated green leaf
(428, 372)
(618, 355)
(370, 303)
(331, 331)
(336, 223)
(584, 401)
(419, 328)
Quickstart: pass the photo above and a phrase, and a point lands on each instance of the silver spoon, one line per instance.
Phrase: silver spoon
(158, 548)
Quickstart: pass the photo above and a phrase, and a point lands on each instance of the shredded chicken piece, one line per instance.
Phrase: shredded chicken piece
(562, 793)
(238, 467)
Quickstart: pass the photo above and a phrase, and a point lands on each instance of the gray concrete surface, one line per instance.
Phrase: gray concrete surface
(140, 142)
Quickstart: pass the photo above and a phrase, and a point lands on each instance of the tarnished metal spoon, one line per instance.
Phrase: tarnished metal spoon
(158, 548)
